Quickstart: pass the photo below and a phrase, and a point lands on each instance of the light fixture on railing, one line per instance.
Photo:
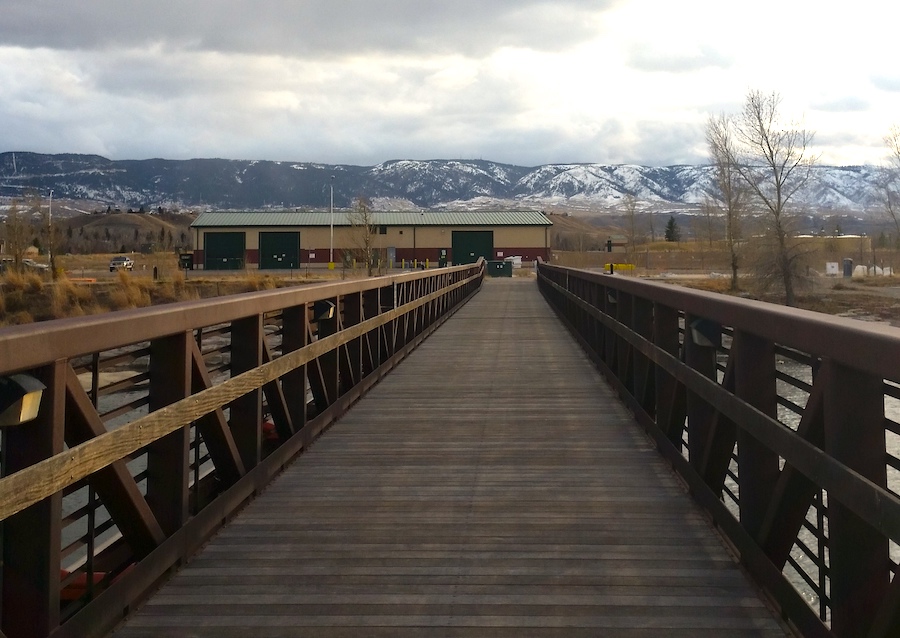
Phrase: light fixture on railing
(323, 310)
(20, 399)
(706, 333)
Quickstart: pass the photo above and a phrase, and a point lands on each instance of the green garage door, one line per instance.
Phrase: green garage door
(469, 245)
(223, 251)
(279, 251)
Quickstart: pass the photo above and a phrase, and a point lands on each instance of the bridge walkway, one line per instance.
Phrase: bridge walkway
(492, 485)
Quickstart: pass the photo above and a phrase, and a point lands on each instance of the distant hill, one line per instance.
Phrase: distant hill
(237, 184)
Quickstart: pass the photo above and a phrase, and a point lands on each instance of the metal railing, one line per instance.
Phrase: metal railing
(157, 424)
(782, 422)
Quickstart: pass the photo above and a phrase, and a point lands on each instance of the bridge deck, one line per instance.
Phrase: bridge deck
(492, 485)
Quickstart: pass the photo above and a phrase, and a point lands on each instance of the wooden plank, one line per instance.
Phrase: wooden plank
(491, 485)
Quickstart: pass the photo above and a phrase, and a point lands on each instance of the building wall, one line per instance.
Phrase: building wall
(410, 243)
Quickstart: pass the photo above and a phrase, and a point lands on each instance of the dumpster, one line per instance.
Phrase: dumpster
(499, 268)
(186, 261)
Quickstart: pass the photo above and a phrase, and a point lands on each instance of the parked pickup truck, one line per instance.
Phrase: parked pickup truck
(121, 262)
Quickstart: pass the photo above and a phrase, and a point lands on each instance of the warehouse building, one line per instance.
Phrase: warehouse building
(280, 240)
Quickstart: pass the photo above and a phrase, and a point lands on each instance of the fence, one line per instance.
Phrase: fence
(782, 422)
(157, 424)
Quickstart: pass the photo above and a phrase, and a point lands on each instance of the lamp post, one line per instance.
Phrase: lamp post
(331, 227)
(50, 238)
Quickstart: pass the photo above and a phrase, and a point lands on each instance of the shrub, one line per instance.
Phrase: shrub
(67, 299)
(13, 280)
(260, 282)
(33, 283)
(19, 318)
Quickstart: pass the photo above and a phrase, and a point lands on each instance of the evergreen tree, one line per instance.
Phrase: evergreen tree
(672, 231)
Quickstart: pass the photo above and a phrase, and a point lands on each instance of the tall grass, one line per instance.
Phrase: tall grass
(70, 300)
(130, 293)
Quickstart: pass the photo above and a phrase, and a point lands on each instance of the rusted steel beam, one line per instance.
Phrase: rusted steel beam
(671, 402)
(328, 361)
(315, 377)
(295, 326)
(29, 346)
(43, 479)
(31, 539)
(718, 450)
(644, 386)
(624, 366)
(168, 459)
(700, 355)
(754, 382)
(114, 483)
(859, 558)
(102, 614)
(870, 348)
(213, 426)
(794, 492)
(246, 411)
(275, 399)
(370, 359)
(871, 502)
(351, 359)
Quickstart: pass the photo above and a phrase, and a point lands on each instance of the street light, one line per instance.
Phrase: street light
(331, 215)
(50, 228)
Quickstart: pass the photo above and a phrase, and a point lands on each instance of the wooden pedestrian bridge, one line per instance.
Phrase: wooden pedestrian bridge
(588, 455)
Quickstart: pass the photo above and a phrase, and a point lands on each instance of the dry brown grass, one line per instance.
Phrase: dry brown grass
(130, 293)
(19, 318)
(27, 298)
(255, 281)
(68, 299)
(13, 280)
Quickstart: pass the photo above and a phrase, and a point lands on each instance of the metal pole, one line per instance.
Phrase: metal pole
(50, 238)
(331, 225)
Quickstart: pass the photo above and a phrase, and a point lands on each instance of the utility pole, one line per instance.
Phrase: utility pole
(50, 236)
(331, 226)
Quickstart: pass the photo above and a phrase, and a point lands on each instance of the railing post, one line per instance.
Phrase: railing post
(859, 558)
(608, 303)
(624, 361)
(31, 538)
(642, 324)
(168, 459)
(699, 354)
(328, 362)
(246, 411)
(351, 365)
(754, 382)
(670, 410)
(294, 326)
(370, 341)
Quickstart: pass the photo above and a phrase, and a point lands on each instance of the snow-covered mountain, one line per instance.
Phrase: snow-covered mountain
(234, 184)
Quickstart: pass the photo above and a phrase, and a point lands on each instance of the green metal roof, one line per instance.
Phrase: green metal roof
(380, 218)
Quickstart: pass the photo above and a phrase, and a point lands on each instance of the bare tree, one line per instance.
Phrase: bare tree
(17, 234)
(631, 224)
(729, 190)
(362, 219)
(890, 182)
(774, 160)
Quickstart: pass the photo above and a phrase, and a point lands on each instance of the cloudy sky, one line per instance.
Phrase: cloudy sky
(362, 81)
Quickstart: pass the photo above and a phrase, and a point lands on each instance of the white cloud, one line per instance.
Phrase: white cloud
(524, 81)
